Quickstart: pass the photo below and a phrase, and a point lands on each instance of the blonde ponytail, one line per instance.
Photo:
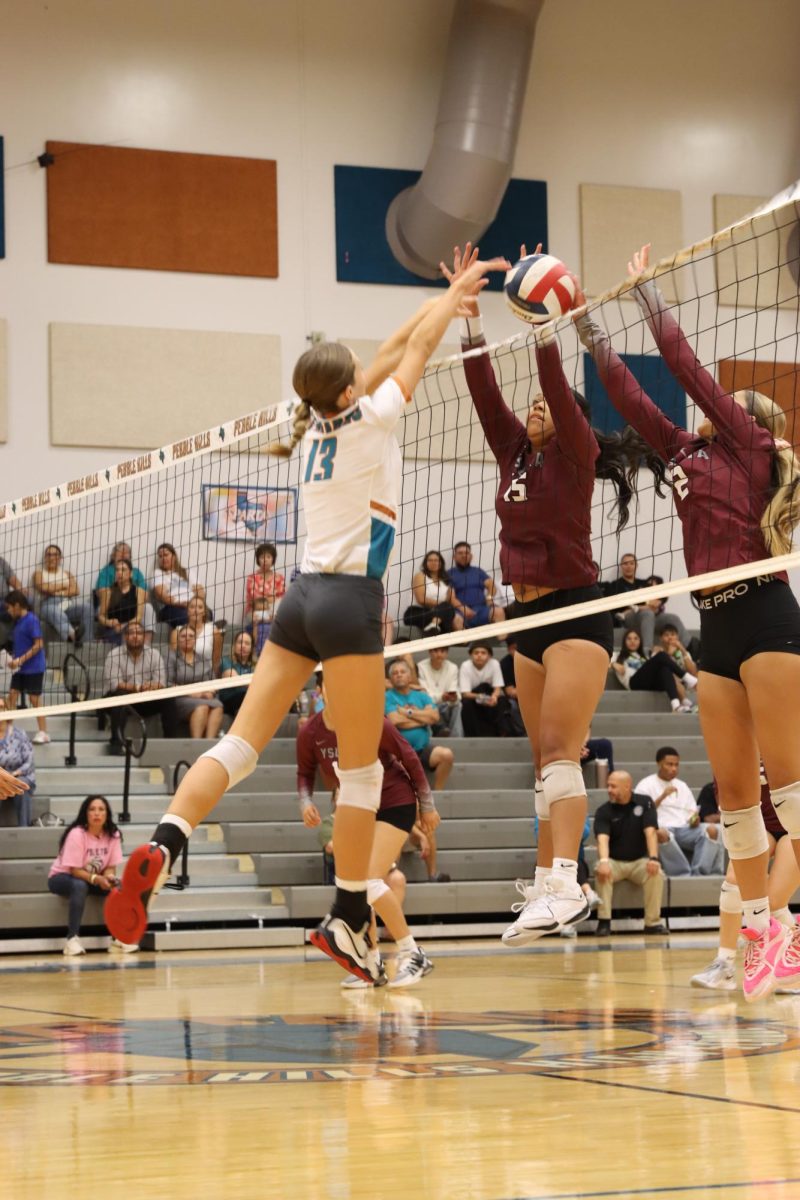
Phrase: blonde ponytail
(302, 420)
(782, 513)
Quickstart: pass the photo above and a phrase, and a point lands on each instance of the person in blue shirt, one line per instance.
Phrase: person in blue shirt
(27, 660)
(474, 588)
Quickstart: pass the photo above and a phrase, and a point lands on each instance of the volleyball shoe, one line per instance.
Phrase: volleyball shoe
(125, 912)
(547, 908)
(762, 950)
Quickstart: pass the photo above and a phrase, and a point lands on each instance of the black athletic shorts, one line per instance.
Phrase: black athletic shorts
(599, 628)
(31, 684)
(326, 616)
(401, 816)
(744, 619)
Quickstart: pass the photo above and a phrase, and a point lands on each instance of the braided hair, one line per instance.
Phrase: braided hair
(320, 376)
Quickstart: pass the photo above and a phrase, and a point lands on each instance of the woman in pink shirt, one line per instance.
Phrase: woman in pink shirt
(89, 852)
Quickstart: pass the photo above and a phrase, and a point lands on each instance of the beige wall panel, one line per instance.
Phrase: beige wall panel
(3, 380)
(747, 274)
(125, 387)
(615, 221)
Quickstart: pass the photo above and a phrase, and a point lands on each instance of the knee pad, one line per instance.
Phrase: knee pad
(360, 787)
(236, 755)
(744, 832)
(540, 803)
(561, 780)
(730, 899)
(375, 889)
(786, 802)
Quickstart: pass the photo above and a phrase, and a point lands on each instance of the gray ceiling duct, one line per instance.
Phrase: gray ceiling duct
(469, 166)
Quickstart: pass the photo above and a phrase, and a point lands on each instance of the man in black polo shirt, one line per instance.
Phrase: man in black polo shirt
(626, 830)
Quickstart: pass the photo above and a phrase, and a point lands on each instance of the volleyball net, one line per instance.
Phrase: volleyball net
(215, 496)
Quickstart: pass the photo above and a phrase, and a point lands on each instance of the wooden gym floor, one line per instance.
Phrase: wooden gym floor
(568, 1070)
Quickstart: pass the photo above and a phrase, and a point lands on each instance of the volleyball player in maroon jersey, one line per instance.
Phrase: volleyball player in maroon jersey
(404, 785)
(547, 471)
(735, 486)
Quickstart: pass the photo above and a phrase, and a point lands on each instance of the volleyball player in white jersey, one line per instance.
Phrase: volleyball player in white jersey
(331, 613)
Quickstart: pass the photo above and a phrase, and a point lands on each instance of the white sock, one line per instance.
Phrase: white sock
(784, 915)
(725, 954)
(566, 869)
(406, 945)
(181, 822)
(539, 876)
(690, 680)
(351, 885)
(674, 705)
(755, 914)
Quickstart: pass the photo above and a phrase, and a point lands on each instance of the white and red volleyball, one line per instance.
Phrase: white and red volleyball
(539, 288)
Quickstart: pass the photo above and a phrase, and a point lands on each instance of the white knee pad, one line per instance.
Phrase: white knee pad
(786, 802)
(375, 889)
(744, 832)
(234, 754)
(360, 787)
(561, 780)
(730, 899)
(540, 803)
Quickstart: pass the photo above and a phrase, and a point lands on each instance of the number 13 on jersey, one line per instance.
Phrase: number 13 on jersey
(320, 455)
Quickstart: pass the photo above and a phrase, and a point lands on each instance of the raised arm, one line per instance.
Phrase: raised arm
(389, 354)
(573, 432)
(718, 405)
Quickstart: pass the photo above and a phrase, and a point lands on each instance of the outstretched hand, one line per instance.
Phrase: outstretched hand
(640, 261)
(469, 273)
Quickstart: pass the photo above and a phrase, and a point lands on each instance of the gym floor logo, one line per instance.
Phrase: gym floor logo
(398, 1040)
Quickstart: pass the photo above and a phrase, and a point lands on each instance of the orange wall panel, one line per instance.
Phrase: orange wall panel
(779, 380)
(110, 206)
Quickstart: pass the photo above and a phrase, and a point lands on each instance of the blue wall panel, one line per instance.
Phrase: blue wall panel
(654, 377)
(363, 195)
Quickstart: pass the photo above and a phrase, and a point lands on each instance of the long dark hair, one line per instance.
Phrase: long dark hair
(444, 576)
(621, 457)
(82, 820)
(624, 650)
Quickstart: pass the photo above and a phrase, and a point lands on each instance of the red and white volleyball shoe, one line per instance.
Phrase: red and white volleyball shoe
(125, 913)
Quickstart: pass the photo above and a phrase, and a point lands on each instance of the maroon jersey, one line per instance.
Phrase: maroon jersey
(404, 779)
(544, 498)
(721, 487)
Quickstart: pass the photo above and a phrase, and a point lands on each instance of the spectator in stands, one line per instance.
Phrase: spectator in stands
(107, 577)
(435, 608)
(89, 852)
(124, 601)
(516, 725)
(60, 603)
(242, 661)
(649, 619)
(474, 588)
(673, 647)
(387, 624)
(413, 713)
(132, 669)
(689, 846)
(660, 673)
(601, 752)
(627, 848)
(439, 678)
(203, 710)
(8, 583)
(707, 804)
(16, 758)
(484, 708)
(265, 582)
(207, 638)
(173, 587)
(626, 581)
(27, 660)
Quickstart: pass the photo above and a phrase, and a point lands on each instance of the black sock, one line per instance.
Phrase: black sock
(170, 838)
(352, 907)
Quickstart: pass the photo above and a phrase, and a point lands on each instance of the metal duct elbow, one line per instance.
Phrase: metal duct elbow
(459, 192)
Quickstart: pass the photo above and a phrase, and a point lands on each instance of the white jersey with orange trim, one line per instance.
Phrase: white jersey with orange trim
(352, 469)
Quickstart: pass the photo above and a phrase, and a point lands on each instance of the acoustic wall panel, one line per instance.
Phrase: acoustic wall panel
(3, 381)
(2, 201)
(615, 221)
(109, 206)
(652, 373)
(136, 388)
(749, 271)
(780, 380)
(363, 195)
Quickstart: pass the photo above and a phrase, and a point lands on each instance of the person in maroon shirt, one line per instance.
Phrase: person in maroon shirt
(547, 469)
(405, 784)
(735, 490)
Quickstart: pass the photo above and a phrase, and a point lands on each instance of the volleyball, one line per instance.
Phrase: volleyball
(539, 288)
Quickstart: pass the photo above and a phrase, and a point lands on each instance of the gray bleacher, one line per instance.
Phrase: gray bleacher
(256, 871)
